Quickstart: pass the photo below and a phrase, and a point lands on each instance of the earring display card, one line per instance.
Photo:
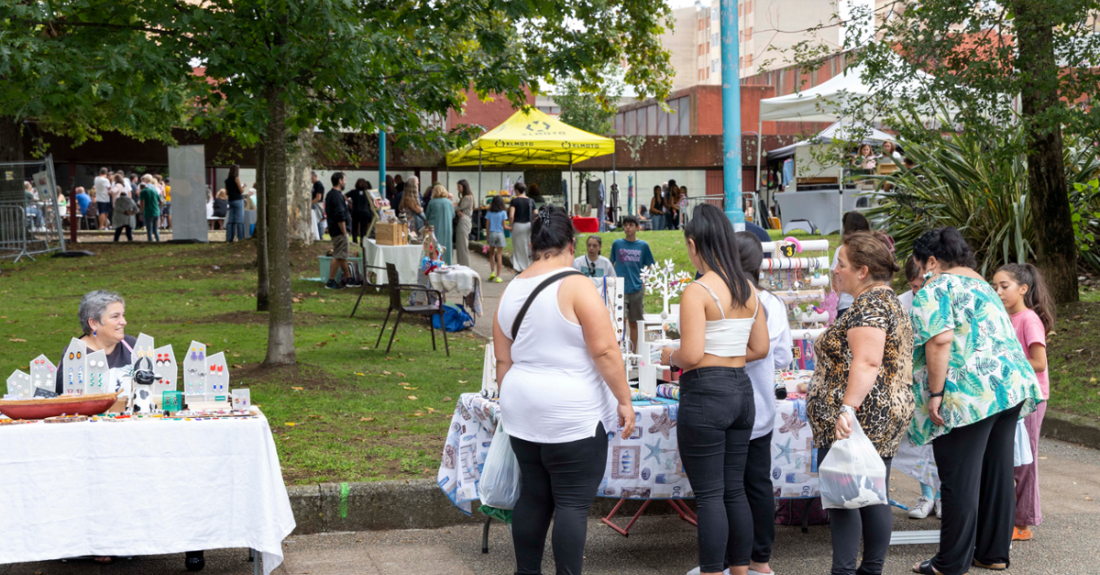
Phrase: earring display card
(164, 365)
(217, 378)
(144, 346)
(75, 365)
(19, 384)
(43, 374)
(194, 369)
(242, 399)
(98, 372)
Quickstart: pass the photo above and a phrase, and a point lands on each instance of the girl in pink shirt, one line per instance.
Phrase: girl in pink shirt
(1031, 308)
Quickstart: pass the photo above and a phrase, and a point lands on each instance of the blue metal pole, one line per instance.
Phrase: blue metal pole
(731, 115)
(382, 162)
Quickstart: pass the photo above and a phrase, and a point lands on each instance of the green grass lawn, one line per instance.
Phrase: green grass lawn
(345, 412)
(1073, 354)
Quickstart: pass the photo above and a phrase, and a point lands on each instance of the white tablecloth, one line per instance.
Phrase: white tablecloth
(141, 488)
(406, 258)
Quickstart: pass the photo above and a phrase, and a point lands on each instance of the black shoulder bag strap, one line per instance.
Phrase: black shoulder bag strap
(527, 304)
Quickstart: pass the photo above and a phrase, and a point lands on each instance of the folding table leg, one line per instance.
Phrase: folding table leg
(431, 326)
(257, 562)
(485, 535)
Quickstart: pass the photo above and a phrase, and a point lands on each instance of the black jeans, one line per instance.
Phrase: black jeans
(759, 490)
(129, 233)
(978, 492)
(874, 523)
(713, 429)
(359, 223)
(557, 480)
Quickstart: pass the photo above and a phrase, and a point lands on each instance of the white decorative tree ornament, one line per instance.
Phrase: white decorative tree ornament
(663, 279)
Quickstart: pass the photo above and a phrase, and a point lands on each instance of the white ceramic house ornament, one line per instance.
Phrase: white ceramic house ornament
(19, 384)
(217, 378)
(242, 399)
(98, 373)
(43, 374)
(75, 365)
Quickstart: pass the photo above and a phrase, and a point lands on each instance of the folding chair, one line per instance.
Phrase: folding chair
(367, 283)
(396, 303)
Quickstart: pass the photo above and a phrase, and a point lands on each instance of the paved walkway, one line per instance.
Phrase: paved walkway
(1066, 543)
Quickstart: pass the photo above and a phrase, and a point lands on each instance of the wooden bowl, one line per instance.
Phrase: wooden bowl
(41, 408)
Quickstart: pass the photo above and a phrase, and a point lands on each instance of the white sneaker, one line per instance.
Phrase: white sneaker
(751, 572)
(939, 508)
(696, 571)
(921, 508)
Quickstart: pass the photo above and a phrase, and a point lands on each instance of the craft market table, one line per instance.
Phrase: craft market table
(141, 487)
(461, 281)
(645, 466)
(586, 225)
(406, 258)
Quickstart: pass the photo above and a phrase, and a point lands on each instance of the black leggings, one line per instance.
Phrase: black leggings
(978, 492)
(129, 233)
(559, 481)
(713, 430)
(359, 223)
(875, 523)
(761, 496)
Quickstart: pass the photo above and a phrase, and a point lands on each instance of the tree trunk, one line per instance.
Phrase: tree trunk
(280, 331)
(11, 140)
(300, 190)
(262, 283)
(1056, 247)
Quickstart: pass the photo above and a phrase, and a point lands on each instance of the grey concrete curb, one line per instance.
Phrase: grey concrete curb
(476, 247)
(412, 504)
(1071, 428)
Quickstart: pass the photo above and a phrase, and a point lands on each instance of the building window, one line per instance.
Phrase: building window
(662, 121)
(684, 115)
(749, 60)
(619, 124)
(651, 120)
(714, 40)
(632, 123)
(748, 33)
(714, 13)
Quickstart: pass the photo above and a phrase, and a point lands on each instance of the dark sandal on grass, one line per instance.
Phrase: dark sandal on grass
(991, 566)
(925, 568)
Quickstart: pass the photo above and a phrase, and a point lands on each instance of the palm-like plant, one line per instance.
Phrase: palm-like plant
(978, 184)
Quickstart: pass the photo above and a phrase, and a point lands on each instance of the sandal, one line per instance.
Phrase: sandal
(105, 560)
(991, 566)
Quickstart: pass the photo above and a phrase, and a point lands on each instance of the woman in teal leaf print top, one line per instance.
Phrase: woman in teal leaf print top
(972, 382)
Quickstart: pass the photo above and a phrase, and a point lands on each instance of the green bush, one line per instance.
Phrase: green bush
(974, 182)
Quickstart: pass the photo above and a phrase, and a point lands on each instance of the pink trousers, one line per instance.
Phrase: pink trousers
(1028, 511)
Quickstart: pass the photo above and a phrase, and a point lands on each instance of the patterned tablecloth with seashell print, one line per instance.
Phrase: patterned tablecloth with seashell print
(646, 465)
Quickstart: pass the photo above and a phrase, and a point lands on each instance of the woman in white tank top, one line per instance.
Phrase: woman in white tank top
(562, 391)
(721, 329)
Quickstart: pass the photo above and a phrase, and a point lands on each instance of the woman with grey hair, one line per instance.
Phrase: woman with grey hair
(103, 320)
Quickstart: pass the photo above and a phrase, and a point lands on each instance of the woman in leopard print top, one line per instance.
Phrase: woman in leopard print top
(864, 371)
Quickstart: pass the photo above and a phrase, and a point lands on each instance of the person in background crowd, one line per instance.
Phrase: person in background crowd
(427, 197)
(118, 185)
(166, 213)
(317, 204)
(929, 499)
(410, 204)
(124, 216)
(593, 264)
(865, 159)
(318, 187)
(535, 193)
(890, 154)
(495, 219)
(464, 211)
(338, 216)
(851, 223)
(149, 200)
(630, 255)
(62, 203)
(221, 207)
(1031, 308)
(234, 223)
(126, 182)
(558, 414)
(520, 213)
(102, 186)
(82, 200)
(721, 328)
(399, 184)
(657, 210)
(390, 190)
(672, 206)
(863, 372)
(360, 210)
(970, 391)
(441, 216)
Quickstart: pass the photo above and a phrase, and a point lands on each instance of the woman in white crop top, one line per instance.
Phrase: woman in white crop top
(563, 390)
(721, 328)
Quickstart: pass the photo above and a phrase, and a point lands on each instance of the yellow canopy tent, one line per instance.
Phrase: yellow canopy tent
(531, 138)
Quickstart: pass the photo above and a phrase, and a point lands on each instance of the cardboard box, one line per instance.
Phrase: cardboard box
(391, 234)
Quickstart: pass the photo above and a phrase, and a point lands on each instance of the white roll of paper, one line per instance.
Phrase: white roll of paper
(820, 281)
(806, 334)
(815, 317)
(807, 246)
(781, 263)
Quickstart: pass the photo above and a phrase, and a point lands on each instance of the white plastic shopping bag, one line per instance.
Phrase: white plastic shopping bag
(499, 485)
(852, 475)
(1021, 453)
